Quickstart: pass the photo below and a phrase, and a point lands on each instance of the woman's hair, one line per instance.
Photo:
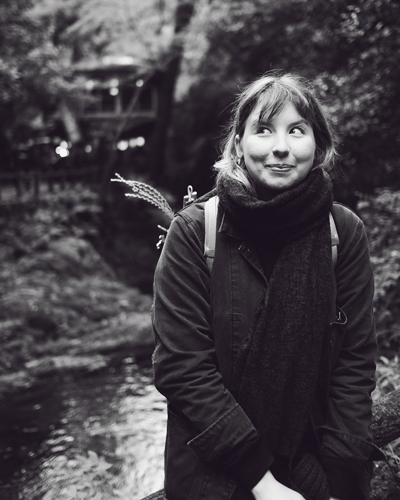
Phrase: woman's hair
(274, 90)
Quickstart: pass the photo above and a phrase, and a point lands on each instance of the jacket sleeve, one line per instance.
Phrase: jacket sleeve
(347, 442)
(184, 360)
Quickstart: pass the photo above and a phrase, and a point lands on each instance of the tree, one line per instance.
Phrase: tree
(34, 72)
(170, 69)
(152, 32)
(65, 32)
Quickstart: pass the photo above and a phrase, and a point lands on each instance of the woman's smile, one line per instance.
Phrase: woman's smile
(278, 153)
(280, 169)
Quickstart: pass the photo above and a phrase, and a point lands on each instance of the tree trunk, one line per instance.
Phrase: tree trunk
(70, 123)
(110, 163)
(183, 15)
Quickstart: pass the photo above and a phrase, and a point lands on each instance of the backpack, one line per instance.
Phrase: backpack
(210, 223)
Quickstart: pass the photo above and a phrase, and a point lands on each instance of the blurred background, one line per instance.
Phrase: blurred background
(143, 89)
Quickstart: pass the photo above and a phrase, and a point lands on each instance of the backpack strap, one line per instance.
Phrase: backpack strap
(334, 239)
(210, 235)
(210, 218)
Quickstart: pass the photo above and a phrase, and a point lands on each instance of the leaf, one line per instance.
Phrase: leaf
(85, 467)
(93, 456)
(109, 490)
(85, 485)
(48, 496)
(103, 466)
(384, 360)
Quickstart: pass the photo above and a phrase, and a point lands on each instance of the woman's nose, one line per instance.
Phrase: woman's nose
(280, 149)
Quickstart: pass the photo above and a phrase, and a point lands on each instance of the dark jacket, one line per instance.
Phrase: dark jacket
(200, 323)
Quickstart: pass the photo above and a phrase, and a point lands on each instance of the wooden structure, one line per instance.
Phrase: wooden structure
(111, 125)
(111, 84)
(33, 184)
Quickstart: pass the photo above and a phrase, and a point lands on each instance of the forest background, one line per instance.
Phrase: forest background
(205, 50)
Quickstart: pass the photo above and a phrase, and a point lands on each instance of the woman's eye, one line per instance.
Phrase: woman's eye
(297, 131)
(263, 130)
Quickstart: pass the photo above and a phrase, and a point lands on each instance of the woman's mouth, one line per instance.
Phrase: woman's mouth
(280, 167)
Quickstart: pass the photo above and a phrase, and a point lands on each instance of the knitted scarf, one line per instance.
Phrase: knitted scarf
(276, 374)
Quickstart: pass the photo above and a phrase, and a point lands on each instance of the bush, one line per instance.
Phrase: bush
(381, 214)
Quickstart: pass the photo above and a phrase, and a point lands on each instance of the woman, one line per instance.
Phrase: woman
(267, 362)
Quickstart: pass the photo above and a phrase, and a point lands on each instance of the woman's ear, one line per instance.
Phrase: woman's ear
(238, 147)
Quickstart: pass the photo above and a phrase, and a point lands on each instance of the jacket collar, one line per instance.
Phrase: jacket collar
(227, 227)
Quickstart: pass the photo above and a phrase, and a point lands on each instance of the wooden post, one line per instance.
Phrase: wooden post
(50, 180)
(18, 184)
(63, 180)
(36, 187)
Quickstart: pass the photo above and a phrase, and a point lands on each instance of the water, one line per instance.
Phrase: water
(96, 437)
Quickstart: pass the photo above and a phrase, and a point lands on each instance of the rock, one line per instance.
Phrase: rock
(386, 418)
(67, 257)
(14, 382)
(54, 364)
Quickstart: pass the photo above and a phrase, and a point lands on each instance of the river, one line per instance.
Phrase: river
(94, 437)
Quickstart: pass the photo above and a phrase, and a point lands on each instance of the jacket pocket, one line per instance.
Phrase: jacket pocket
(187, 477)
(350, 448)
(211, 482)
(181, 464)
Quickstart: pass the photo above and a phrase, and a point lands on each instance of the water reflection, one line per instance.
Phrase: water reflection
(45, 437)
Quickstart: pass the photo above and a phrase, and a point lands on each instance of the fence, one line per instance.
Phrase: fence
(22, 184)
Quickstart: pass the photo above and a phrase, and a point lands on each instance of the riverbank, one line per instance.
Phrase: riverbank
(63, 306)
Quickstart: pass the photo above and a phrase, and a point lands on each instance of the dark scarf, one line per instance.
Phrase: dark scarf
(276, 374)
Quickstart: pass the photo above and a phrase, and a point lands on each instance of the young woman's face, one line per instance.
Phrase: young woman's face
(278, 153)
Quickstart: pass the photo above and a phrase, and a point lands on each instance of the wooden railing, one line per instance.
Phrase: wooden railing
(34, 183)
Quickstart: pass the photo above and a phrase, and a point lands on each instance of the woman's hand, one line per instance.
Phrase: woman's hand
(268, 488)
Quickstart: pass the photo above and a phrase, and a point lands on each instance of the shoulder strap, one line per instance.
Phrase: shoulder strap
(210, 218)
(210, 224)
(334, 239)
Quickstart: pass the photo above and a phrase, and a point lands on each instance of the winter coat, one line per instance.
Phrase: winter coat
(199, 325)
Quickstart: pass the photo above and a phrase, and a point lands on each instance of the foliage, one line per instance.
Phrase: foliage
(35, 71)
(364, 99)
(387, 376)
(347, 48)
(143, 30)
(44, 39)
(380, 212)
(386, 480)
(55, 286)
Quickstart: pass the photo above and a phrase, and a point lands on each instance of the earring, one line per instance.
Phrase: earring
(239, 162)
